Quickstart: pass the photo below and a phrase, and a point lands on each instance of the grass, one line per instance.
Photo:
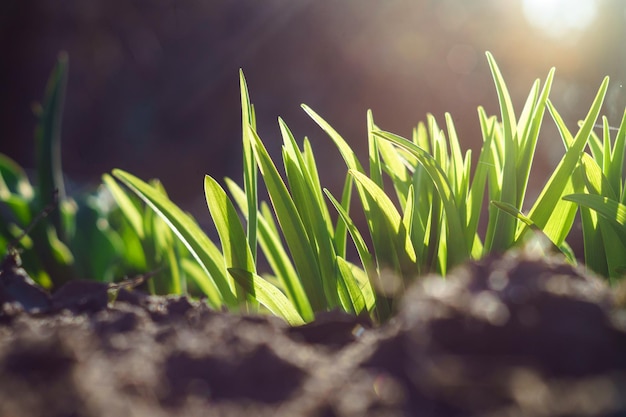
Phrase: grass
(427, 223)
(421, 196)
(85, 236)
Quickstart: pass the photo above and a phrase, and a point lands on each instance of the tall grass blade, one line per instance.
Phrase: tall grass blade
(296, 236)
(543, 213)
(249, 167)
(48, 143)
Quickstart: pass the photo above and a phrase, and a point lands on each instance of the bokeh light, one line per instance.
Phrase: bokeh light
(561, 18)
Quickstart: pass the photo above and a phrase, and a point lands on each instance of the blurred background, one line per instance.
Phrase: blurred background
(153, 85)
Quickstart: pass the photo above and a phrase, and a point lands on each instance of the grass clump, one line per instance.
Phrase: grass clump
(86, 235)
(427, 223)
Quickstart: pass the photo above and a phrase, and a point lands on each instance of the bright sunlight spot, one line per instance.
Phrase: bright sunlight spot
(557, 18)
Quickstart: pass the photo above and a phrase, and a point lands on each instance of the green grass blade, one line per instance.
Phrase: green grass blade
(402, 247)
(456, 172)
(313, 178)
(477, 188)
(268, 295)
(293, 229)
(398, 169)
(513, 211)
(14, 180)
(382, 249)
(458, 248)
(606, 149)
(606, 207)
(194, 239)
(383, 304)
(314, 221)
(610, 209)
(127, 206)
(356, 301)
(348, 155)
(530, 135)
(505, 226)
(197, 275)
(249, 166)
(595, 180)
(341, 229)
(235, 249)
(376, 172)
(594, 251)
(276, 254)
(616, 169)
(542, 213)
(48, 143)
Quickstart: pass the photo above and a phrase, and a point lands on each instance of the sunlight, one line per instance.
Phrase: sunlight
(558, 18)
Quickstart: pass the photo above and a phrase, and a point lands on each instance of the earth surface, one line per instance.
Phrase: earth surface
(519, 334)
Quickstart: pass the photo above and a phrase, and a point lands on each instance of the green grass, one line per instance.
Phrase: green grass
(422, 198)
(427, 223)
(85, 236)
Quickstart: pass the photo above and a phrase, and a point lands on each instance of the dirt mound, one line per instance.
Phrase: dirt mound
(513, 335)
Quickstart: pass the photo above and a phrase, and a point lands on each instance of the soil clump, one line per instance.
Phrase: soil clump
(518, 334)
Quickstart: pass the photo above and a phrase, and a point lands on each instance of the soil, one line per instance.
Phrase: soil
(519, 334)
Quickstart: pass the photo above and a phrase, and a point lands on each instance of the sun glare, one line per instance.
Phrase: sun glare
(559, 18)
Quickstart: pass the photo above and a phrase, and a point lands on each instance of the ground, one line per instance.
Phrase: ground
(518, 334)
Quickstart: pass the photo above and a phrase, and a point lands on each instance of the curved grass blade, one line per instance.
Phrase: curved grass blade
(198, 244)
(513, 211)
(347, 153)
(606, 207)
(235, 247)
(124, 202)
(268, 295)
(48, 143)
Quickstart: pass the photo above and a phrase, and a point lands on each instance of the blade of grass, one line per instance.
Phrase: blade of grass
(458, 248)
(126, 205)
(249, 166)
(314, 222)
(356, 303)
(606, 207)
(542, 213)
(268, 295)
(383, 304)
(235, 249)
(291, 224)
(505, 225)
(198, 244)
(276, 255)
(399, 239)
(48, 143)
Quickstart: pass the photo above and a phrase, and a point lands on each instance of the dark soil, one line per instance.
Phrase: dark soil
(514, 335)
